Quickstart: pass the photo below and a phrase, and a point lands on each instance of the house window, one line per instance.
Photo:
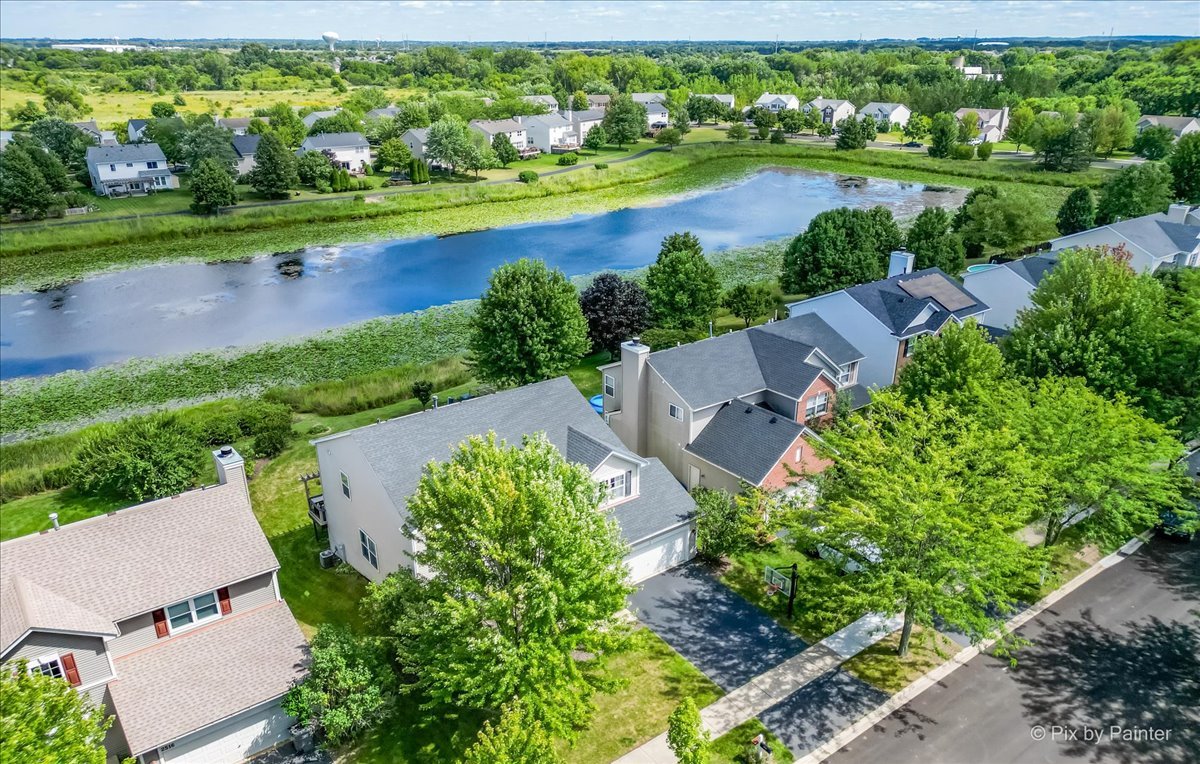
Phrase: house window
(152, 165)
(799, 455)
(345, 485)
(47, 665)
(909, 344)
(129, 164)
(367, 544)
(675, 412)
(112, 168)
(847, 374)
(816, 405)
(610, 386)
(617, 487)
(197, 610)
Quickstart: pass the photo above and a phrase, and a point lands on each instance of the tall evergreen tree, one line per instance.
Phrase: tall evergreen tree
(1078, 212)
(274, 172)
(22, 187)
(932, 242)
(506, 153)
(212, 187)
(943, 133)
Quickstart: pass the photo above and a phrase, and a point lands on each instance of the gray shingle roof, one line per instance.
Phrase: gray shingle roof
(1157, 236)
(859, 395)
(138, 124)
(1033, 269)
(662, 504)
(1177, 124)
(399, 449)
(130, 152)
(772, 356)
(246, 145)
(384, 113)
(585, 115)
(553, 119)
(585, 449)
(240, 123)
(205, 675)
(493, 126)
(746, 440)
(334, 141)
(896, 309)
(310, 119)
(420, 133)
(201, 540)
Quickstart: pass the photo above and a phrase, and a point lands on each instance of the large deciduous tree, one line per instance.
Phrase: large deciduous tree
(207, 141)
(959, 365)
(506, 153)
(624, 121)
(749, 301)
(138, 459)
(1184, 162)
(943, 135)
(528, 326)
(839, 248)
(447, 142)
(1008, 220)
(274, 172)
(1078, 212)
(616, 309)
(45, 719)
(516, 738)
(212, 187)
(1020, 122)
(22, 186)
(394, 154)
(1155, 142)
(1135, 191)
(1095, 458)
(932, 242)
(932, 501)
(1110, 128)
(346, 689)
(525, 575)
(682, 284)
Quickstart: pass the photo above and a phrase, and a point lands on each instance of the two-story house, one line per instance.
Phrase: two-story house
(830, 110)
(992, 123)
(549, 101)
(776, 102)
(239, 125)
(1180, 126)
(167, 615)
(734, 408)
(886, 113)
(416, 139)
(598, 101)
(517, 133)
(245, 147)
(135, 168)
(583, 121)
(349, 151)
(369, 474)
(547, 131)
(886, 318)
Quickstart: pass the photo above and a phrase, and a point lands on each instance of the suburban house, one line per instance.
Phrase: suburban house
(311, 118)
(583, 121)
(490, 128)
(886, 113)
(168, 615)
(598, 100)
(388, 112)
(734, 408)
(416, 138)
(349, 151)
(645, 99)
(135, 130)
(549, 101)
(368, 475)
(657, 115)
(993, 123)
(240, 125)
(6, 137)
(974, 72)
(95, 134)
(245, 146)
(830, 110)
(135, 168)
(547, 131)
(1006, 287)
(1181, 126)
(1170, 238)
(778, 102)
(886, 318)
(725, 99)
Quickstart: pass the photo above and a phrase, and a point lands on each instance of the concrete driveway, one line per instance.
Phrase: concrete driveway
(720, 633)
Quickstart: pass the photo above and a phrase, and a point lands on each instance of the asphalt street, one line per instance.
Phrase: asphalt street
(1112, 675)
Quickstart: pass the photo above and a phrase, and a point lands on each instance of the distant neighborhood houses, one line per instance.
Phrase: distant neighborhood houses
(245, 146)
(974, 72)
(886, 113)
(830, 110)
(992, 123)
(1180, 126)
(777, 103)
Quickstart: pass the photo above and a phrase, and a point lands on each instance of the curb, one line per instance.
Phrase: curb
(923, 683)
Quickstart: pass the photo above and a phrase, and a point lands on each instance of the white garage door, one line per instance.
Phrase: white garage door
(241, 737)
(655, 555)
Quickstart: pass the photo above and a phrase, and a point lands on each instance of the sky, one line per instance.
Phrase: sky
(522, 20)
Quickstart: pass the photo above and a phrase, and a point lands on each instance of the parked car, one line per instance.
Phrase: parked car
(913, 145)
(859, 554)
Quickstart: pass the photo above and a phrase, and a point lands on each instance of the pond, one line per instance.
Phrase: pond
(179, 308)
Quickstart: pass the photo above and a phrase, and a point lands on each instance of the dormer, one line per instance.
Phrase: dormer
(617, 471)
(922, 317)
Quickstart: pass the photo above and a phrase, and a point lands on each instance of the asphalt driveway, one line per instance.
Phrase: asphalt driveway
(820, 709)
(720, 633)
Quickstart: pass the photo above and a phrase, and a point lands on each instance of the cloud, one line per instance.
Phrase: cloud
(129, 6)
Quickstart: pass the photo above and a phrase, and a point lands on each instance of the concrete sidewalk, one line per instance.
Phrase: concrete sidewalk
(775, 685)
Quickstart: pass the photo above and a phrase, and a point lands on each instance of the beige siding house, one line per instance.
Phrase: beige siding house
(168, 616)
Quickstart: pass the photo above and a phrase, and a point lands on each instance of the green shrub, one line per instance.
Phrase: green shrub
(359, 198)
(962, 151)
(661, 339)
(568, 159)
(139, 459)
(984, 151)
(527, 176)
(367, 170)
(270, 424)
(218, 429)
(601, 165)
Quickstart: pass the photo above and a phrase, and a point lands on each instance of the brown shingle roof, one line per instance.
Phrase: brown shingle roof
(188, 682)
(129, 562)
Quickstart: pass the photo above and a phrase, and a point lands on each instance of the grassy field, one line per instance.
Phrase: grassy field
(35, 257)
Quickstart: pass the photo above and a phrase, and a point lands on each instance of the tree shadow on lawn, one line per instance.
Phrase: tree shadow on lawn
(1143, 675)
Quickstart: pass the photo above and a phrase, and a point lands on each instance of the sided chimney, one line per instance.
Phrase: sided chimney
(1177, 213)
(231, 468)
(899, 263)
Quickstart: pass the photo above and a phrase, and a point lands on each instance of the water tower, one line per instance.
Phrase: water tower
(331, 38)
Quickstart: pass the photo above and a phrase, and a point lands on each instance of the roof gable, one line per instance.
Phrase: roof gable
(897, 308)
(334, 141)
(746, 440)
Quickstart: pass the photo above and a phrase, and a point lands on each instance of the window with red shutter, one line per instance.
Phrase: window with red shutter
(69, 668)
(160, 623)
(223, 596)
